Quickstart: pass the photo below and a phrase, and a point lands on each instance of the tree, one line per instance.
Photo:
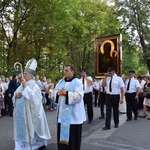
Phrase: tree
(54, 32)
(91, 19)
(135, 21)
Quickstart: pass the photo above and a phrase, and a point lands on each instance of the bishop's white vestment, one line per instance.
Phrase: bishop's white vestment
(30, 123)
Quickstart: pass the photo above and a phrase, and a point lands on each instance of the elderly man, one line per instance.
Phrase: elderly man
(31, 130)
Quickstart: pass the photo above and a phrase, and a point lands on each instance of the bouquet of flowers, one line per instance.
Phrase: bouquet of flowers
(147, 92)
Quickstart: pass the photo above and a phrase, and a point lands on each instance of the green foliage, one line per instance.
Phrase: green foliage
(55, 33)
(131, 59)
(134, 16)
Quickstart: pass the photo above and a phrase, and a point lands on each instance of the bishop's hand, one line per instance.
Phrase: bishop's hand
(18, 95)
(23, 81)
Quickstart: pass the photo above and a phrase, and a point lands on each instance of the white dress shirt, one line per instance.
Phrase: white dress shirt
(87, 88)
(101, 88)
(117, 84)
(142, 85)
(96, 85)
(134, 84)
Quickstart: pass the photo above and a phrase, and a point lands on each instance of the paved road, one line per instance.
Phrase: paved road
(132, 135)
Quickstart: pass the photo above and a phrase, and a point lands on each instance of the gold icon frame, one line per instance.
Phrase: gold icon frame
(108, 53)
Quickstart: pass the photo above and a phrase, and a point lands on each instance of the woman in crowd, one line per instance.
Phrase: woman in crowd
(46, 87)
(50, 96)
(146, 90)
(2, 104)
(43, 82)
(141, 95)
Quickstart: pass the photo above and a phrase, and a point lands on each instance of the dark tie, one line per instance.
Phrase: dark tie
(83, 83)
(128, 85)
(110, 88)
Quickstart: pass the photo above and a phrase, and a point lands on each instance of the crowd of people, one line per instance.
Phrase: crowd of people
(127, 94)
(9, 85)
(25, 99)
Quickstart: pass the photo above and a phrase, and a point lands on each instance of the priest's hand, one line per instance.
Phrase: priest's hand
(62, 92)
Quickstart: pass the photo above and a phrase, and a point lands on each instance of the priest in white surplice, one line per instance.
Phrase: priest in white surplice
(31, 129)
(68, 94)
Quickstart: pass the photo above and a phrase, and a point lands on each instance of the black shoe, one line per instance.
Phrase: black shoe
(135, 118)
(105, 128)
(90, 122)
(128, 119)
(143, 116)
(102, 117)
(148, 118)
(42, 147)
(116, 126)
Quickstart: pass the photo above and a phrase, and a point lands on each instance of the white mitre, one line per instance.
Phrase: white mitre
(31, 66)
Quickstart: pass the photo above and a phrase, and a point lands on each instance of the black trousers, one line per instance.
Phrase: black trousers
(6, 98)
(102, 103)
(131, 105)
(47, 100)
(140, 101)
(95, 98)
(88, 100)
(10, 106)
(74, 140)
(112, 102)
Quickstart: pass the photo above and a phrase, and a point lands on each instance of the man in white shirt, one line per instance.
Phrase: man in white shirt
(87, 82)
(102, 95)
(96, 87)
(132, 87)
(114, 94)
